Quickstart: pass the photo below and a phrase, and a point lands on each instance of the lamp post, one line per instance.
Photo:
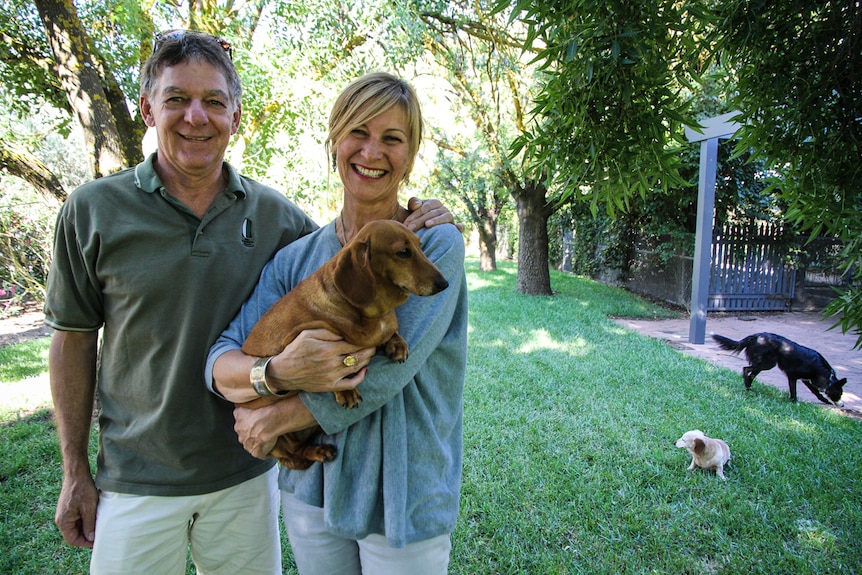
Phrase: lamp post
(713, 129)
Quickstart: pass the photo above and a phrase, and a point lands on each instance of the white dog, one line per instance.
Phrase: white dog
(706, 452)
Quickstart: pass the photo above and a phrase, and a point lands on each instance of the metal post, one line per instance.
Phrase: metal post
(703, 240)
(712, 129)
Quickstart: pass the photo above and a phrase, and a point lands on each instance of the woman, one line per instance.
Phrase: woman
(389, 501)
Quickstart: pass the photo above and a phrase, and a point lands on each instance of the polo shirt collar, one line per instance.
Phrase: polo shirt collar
(148, 181)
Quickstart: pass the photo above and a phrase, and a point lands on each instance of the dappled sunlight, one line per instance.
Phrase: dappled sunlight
(849, 396)
(24, 396)
(813, 533)
(477, 282)
(541, 340)
(477, 279)
(614, 328)
(782, 423)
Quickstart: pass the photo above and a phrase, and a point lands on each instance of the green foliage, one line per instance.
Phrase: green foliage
(799, 91)
(25, 245)
(608, 120)
(26, 218)
(474, 179)
(122, 35)
(593, 245)
(801, 57)
(23, 54)
(663, 222)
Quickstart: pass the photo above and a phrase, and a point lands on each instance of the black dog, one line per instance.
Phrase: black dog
(765, 350)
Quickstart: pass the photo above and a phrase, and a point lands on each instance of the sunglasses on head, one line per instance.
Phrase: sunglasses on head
(162, 37)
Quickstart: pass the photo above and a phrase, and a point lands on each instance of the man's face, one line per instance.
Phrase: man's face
(193, 115)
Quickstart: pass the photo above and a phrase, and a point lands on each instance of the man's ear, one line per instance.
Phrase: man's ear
(147, 111)
(237, 116)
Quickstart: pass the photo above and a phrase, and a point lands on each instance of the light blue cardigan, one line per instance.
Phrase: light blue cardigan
(398, 468)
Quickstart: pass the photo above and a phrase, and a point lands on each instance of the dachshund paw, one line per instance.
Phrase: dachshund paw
(305, 457)
(349, 399)
(397, 349)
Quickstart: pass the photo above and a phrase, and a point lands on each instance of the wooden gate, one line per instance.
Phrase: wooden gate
(748, 269)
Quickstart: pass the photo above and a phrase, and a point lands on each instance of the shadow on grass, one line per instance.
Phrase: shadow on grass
(41, 415)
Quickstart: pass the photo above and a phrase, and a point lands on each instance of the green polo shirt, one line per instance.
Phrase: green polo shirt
(163, 284)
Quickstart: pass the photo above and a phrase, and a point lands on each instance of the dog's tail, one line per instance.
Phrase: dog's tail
(731, 345)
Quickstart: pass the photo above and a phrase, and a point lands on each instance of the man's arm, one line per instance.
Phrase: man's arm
(72, 367)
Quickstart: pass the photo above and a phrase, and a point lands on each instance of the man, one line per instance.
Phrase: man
(161, 257)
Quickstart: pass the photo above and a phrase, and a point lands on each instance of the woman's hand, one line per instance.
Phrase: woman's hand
(319, 361)
(316, 361)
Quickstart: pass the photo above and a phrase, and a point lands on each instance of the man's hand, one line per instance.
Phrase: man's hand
(258, 429)
(251, 426)
(76, 511)
(427, 214)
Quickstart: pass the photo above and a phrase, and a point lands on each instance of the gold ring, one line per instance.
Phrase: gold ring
(349, 361)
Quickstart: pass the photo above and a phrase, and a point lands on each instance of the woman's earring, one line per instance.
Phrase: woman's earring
(334, 168)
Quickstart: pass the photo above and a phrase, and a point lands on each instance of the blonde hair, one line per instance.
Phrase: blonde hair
(366, 98)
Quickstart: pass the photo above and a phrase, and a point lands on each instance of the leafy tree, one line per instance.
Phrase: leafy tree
(470, 176)
(799, 92)
(472, 158)
(608, 119)
(491, 85)
(92, 92)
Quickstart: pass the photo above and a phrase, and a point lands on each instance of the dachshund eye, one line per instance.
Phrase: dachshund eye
(406, 253)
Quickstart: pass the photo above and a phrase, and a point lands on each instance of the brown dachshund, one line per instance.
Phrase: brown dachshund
(354, 295)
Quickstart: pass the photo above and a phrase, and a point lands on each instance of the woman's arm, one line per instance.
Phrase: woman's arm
(312, 362)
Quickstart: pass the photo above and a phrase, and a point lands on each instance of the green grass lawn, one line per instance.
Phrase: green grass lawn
(569, 463)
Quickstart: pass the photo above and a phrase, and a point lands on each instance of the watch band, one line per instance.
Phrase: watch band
(258, 378)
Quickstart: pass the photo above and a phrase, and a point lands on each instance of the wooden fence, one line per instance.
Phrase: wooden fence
(748, 269)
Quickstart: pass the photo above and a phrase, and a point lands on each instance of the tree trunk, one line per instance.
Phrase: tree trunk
(534, 276)
(80, 79)
(24, 165)
(488, 245)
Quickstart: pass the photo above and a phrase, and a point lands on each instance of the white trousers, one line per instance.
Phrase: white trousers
(319, 552)
(231, 531)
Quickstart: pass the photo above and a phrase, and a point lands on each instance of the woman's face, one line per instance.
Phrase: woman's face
(373, 158)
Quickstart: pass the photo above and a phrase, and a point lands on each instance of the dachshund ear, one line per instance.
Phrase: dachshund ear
(353, 277)
(699, 445)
